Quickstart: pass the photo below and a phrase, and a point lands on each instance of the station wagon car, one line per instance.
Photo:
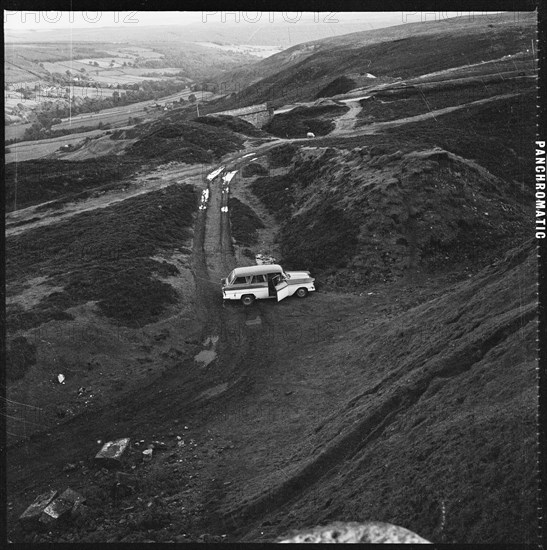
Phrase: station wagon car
(259, 282)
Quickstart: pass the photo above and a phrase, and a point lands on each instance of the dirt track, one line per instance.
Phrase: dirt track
(233, 394)
(253, 393)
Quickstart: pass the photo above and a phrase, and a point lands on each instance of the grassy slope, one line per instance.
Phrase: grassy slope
(232, 123)
(365, 216)
(301, 120)
(171, 138)
(493, 135)
(176, 139)
(381, 108)
(244, 223)
(302, 77)
(442, 417)
(339, 85)
(104, 256)
(36, 181)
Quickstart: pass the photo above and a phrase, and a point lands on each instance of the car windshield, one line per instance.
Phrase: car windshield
(230, 278)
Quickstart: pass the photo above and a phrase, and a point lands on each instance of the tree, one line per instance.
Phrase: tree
(192, 98)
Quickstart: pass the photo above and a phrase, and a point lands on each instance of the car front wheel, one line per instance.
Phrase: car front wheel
(302, 292)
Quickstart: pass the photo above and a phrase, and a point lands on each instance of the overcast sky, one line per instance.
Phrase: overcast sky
(33, 20)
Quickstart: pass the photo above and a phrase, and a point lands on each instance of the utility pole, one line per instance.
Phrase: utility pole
(197, 107)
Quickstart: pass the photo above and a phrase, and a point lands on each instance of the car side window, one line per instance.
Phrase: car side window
(258, 279)
(240, 281)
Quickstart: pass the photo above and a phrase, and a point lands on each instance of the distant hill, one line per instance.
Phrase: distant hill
(301, 72)
(280, 34)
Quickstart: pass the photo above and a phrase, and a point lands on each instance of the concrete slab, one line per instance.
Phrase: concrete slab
(32, 514)
(61, 506)
(110, 456)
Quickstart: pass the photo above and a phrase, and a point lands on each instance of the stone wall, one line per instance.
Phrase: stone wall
(257, 115)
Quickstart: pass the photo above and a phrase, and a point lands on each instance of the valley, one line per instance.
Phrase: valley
(402, 391)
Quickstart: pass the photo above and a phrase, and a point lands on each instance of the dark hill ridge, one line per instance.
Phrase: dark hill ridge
(366, 216)
(300, 73)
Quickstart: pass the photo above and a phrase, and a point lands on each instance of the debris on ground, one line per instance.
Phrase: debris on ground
(111, 453)
(147, 455)
(265, 259)
(61, 506)
(29, 518)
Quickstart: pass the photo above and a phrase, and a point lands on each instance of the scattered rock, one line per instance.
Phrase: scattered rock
(353, 532)
(147, 455)
(61, 506)
(111, 453)
(69, 467)
(31, 515)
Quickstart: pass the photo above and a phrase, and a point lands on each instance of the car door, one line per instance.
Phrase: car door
(259, 286)
(282, 290)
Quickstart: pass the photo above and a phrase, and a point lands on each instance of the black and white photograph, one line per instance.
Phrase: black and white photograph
(273, 276)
